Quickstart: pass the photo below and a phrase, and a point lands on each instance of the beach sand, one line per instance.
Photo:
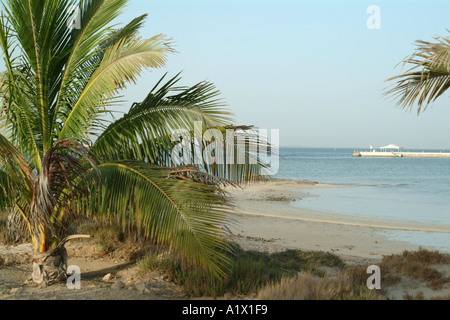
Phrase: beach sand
(266, 220)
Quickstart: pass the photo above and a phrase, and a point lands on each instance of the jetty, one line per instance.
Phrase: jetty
(394, 151)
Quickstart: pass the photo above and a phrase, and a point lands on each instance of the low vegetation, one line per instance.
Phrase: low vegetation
(251, 271)
(418, 265)
(111, 240)
(299, 275)
(307, 286)
(287, 275)
(5, 237)
(9, 237)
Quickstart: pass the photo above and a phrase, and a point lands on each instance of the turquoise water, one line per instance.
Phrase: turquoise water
(406, 189)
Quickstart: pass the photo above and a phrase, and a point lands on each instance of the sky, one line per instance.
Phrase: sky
(311, 69)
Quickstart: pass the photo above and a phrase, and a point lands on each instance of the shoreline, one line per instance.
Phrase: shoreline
(264, 219)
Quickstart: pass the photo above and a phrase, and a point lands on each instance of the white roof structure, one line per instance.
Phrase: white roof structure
(392, 146)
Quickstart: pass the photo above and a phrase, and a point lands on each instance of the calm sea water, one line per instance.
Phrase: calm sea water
(406, 189)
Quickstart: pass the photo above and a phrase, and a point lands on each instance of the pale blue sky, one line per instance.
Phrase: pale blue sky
(309, 68)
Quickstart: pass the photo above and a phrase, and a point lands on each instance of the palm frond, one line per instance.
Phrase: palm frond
(17, 117)
(86, 45)
(12, 162)
(145, 132)
(16, 181)
(184, 214)
(427, 79)
(89, 66)
(41, 30)
(149, 133)
(192, 173)
(122, 63)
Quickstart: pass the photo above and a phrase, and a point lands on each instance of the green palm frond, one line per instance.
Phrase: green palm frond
(145, 132)
(128, 31)
(240, 157)
(429, 82)
(184, 214)
(17, 116)
(96, 17)
(41, 30)
(121, 64)
(80, 56)
(15, 175)
(148, 132)
(13, 161)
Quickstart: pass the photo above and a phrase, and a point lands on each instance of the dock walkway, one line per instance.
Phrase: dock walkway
(379, 154)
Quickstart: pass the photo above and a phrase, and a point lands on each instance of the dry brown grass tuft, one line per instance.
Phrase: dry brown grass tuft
(444, 297)
(307, 286)
(417, 296)
(113, 242)
(416, 265)
(7, 237)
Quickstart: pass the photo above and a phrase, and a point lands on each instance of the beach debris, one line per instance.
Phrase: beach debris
(228, 296)
(307, 182)
(51, 267)
(118, 285)
(281, 198)
(257, 238)
(107, 277)
(15, 290)
(142, 287)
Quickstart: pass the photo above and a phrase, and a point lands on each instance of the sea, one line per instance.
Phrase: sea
(402, 189)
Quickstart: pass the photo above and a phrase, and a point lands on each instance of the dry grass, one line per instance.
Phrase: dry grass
(6, 237)
(417, 296)
(445, 297)
(307, 286)
(418, 265)
(112, 241)
(308, 260)
(251, 271)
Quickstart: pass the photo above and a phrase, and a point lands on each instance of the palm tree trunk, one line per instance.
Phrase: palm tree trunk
(41, 238)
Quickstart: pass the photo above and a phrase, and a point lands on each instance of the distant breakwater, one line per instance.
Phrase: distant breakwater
(378, 154)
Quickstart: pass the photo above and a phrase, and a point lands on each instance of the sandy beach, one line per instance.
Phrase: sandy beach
(266, 220)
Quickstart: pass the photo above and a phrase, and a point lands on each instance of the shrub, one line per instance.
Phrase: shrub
(307, 286)
(251, 271)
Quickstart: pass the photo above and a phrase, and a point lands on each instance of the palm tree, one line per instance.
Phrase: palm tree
(61, 159)
(427, 79)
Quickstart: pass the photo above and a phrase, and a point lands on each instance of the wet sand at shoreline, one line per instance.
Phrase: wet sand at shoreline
(266, 220)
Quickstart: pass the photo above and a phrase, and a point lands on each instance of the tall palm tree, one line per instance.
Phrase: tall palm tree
(427, 79)
(60, 157)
